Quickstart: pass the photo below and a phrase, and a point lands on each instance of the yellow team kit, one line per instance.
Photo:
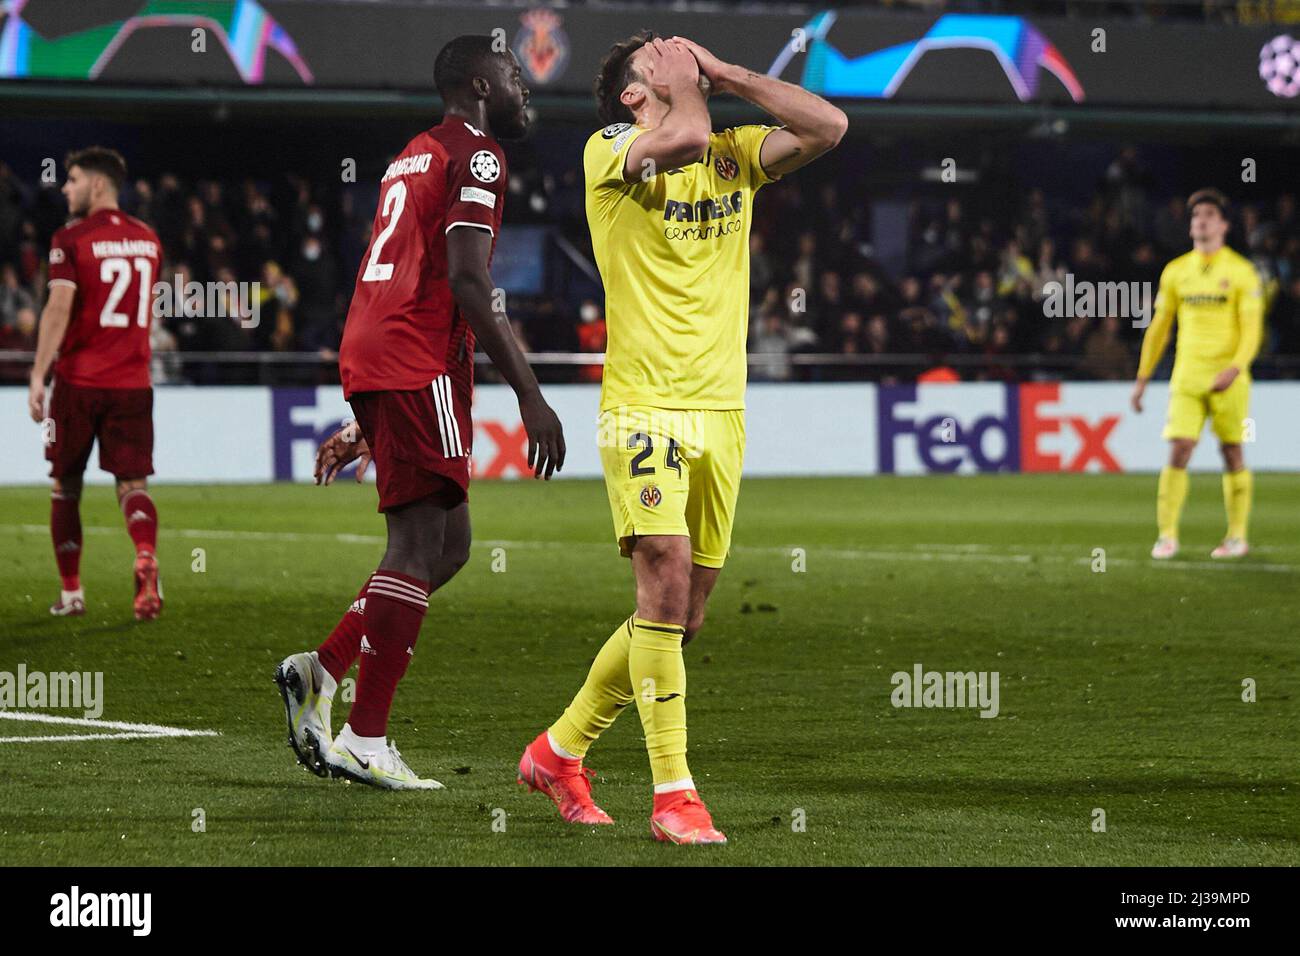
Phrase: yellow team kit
(1218, 302)
(673, 253)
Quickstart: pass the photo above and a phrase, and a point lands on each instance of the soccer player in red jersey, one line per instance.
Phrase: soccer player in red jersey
(423, 297)
(96, 320)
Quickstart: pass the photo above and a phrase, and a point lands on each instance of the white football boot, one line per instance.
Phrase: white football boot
(384, 769)
(1164, 549)
(70, 604)
(307, 709)
(1231, 548)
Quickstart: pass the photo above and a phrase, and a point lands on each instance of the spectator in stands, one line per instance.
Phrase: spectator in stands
(998, 345)
(1105, 357)
(13, 297)
(771, 341)
(278, 296)
(12, 201)
(320, 318)
(827, 304)
(804, 268)
(165, 364)
(850, 341)
(1286, 320)
(1076, 334)
(18, 336)
(185, 321)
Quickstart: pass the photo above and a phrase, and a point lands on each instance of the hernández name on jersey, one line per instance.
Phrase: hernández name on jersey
(116, 248)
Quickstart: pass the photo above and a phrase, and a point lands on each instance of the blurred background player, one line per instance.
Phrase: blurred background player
(669, 205)
(97, 321)
(423, 297)
(1217, 298)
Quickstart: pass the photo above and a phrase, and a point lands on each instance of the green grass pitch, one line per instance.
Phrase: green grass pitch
(1120, 691)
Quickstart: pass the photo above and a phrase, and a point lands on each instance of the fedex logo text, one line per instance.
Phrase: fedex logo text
(947, 441)
(991, 428)
(1035, 424)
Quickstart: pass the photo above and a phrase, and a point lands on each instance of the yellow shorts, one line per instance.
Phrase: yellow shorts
(1226, 410)
(671, 471)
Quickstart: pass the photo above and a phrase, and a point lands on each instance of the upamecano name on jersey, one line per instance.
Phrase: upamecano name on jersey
(418, 163)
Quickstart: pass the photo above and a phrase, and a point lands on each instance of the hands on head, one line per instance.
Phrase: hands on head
(670, 65)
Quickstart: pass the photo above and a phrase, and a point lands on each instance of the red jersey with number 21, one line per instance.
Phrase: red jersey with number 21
(111, 259)
(403, 328)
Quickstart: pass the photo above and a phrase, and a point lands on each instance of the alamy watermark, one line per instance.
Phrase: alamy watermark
(73, 909)
(208, 300)
(59, 690)
(922, 688)
(1090, 300)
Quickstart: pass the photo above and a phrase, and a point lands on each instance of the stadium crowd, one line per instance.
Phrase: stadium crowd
(969, 303)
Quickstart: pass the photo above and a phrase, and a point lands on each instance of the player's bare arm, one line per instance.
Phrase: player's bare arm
(673, 74)
(811, 125)
(468, 250)
(54, 324)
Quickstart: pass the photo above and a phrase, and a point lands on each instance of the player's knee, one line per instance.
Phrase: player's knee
(127, 485)
(663, 584)
(449, 564)
(68, 488)
(1180, 453)
(664, 598)
(1233, 460)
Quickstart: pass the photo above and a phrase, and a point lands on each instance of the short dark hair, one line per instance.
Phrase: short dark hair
(99, 159)
(459, 61)
(616, 72)
(1212, 196)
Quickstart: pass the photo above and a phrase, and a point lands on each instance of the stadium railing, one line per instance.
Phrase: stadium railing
(308, 368)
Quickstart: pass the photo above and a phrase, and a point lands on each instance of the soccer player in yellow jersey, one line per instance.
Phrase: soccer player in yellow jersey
(669, 205)
(1217, 298)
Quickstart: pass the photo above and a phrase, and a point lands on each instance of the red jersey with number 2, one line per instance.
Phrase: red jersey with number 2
(403, 328)
(111, 259)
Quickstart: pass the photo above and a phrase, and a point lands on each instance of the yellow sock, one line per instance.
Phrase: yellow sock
(1238, 489)
(607, 690)
(1169, 500)
(659, 682)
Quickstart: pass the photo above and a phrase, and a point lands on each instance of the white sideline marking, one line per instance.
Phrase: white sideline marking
(979, 553)
(128, 731)
(63, 738)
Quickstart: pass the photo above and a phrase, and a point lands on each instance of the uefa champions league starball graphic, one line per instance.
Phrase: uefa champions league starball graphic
(1279, 66)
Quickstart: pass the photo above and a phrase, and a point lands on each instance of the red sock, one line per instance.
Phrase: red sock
(65, 530)
(395, 608)
(141, 520)
(344, 643)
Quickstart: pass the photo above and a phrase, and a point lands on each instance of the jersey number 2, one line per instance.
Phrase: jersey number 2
(394, 203)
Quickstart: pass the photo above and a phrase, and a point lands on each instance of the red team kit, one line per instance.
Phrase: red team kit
(407, 357)
(101, 390)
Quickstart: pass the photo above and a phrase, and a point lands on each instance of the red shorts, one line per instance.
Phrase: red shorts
(419, 442)
(120, 418)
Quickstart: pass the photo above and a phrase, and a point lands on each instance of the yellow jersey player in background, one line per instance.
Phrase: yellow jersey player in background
(669, 204)
(1218, 301)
